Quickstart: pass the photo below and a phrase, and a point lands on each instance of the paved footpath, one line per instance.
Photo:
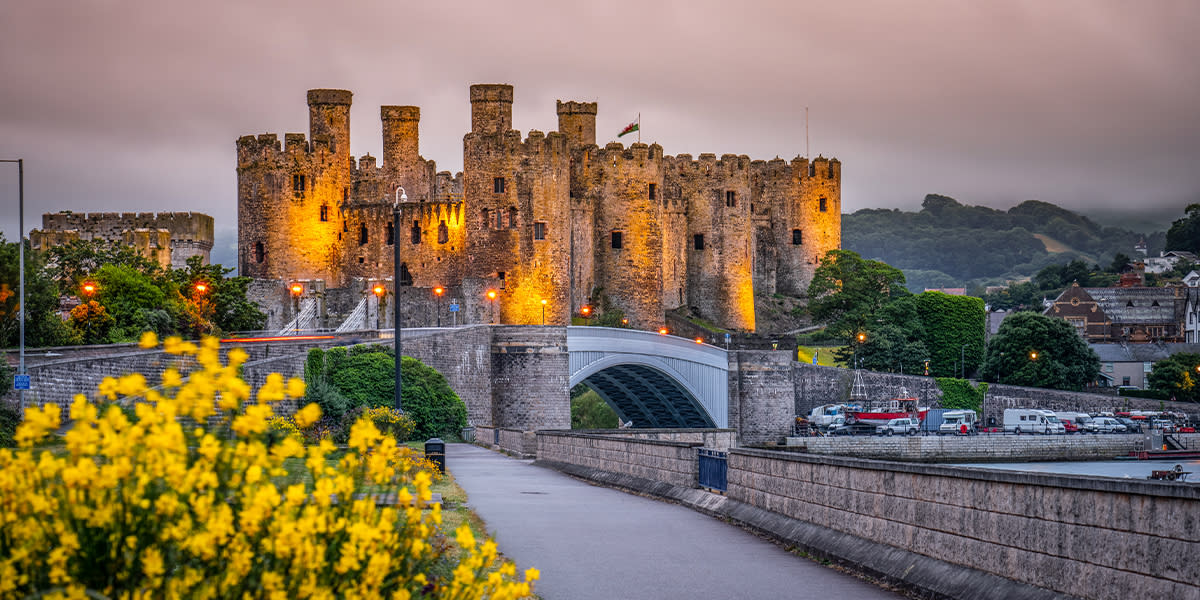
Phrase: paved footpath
(594, 542)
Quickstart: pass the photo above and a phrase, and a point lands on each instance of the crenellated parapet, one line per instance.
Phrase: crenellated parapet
(543, 216)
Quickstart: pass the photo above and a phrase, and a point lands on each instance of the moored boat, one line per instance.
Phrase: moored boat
(881, 411)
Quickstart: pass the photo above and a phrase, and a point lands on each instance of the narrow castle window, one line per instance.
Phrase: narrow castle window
(698, 241)
(616, 240)
(416, 232)
(501, 276)
(730, 198)
(406, 278)
(539, 231)
(324, 212)
(362, 234)
(823, 204)
(486, 221)
(498, 185)
(259, 254)
(797, 237)
(391, 233)
(653, 192)
(512, 218)
(298, 185)
(443, 232)
(499, 219)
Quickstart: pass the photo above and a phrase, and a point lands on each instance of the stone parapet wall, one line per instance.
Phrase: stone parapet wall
(674, 463)
(1084, 537)
(464, 358)
(717, 439)
(975, 448)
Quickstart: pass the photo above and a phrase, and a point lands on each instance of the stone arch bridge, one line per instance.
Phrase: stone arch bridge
(511, 376)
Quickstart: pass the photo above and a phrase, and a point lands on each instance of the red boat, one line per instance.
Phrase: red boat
(880, 412)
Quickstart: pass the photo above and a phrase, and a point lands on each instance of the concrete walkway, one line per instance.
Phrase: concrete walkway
(594, 542)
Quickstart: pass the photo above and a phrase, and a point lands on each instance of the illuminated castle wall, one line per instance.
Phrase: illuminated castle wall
(550, 216)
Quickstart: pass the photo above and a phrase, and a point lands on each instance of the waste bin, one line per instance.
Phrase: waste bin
(435, 452)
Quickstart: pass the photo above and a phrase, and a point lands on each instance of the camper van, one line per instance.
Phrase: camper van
(1082, 421)
(1032, 420)
(957, 422)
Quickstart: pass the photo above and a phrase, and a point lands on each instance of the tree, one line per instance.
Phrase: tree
(847, 291)
(1184, 233)
(71, 263)
(91, 323)
(223, 303)
(43, 326)
(590, 411)
(137, 301)
(1178, 376)
(1036, 350)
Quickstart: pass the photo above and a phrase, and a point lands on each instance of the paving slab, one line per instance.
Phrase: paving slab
(591, 542)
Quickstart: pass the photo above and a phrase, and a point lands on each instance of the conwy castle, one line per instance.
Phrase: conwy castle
(551, 222)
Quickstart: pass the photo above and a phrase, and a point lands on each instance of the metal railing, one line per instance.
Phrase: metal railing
(713, 469)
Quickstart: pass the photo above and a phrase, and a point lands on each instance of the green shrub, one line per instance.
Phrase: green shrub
(333, 404)
(364, 379)
(590, 411)
(10, 418)
(428, 399)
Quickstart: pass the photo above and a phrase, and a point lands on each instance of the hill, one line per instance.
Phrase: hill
(949, 244)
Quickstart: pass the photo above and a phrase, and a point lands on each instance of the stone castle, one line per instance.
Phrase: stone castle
(552, 222)
(168, 238)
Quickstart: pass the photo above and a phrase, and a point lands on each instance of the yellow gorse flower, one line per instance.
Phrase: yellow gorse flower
(184, 492)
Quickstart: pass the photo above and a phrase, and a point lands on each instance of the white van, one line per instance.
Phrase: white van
(1032, 420)
(1083, 421)
(957, 422)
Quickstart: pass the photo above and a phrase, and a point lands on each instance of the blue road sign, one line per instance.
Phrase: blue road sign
(21, 382)
(454, 307)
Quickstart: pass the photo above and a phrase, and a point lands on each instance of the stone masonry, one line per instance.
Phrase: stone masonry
(168, 238)
(548, 217)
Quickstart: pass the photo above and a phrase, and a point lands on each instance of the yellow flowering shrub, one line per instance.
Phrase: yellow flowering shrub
(154, 507)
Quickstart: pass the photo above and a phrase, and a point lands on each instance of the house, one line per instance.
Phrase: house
(1130, 364)
(1166, 261)
(1192, 279)
(1124, 314)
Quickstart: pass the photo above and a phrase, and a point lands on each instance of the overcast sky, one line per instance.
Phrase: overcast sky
(135, 106)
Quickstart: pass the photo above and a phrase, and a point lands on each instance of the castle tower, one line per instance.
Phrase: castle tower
(400, 136)
(329, 117)
(491, 107)
(811, 222)
(577, 120)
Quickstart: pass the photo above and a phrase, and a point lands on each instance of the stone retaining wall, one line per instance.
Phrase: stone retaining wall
(717, 439)
(1098, 539)
(674, 463)
(975, 448)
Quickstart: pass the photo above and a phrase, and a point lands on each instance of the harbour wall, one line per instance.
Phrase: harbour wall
(974, 448)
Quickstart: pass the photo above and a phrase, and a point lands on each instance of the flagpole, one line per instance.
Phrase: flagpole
(806, 152)
(639, 128)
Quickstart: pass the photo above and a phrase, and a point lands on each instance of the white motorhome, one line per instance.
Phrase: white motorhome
(1032, 420)
(958, 422)
(1083, 421)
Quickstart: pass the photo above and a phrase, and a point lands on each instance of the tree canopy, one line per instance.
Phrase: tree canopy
(1184, 233)
(847, 291)
(1178, 376)
(1039, 351)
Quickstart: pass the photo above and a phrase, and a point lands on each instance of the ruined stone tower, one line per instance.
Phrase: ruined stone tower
(550, 222)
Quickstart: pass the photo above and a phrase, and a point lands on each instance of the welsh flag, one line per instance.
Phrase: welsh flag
(632, 127)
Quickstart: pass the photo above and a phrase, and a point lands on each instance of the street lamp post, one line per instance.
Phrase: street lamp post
(491, 296)
(862, 338)
(401, 196)
(544, 318)
(21, 266)
(379, 291)
(438, 291)
(201, 289)
(297, 289)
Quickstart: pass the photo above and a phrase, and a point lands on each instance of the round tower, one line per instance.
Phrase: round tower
(577, 120)
(491, 107)
(329, 118)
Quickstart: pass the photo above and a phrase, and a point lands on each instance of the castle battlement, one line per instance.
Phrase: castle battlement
(548, 215)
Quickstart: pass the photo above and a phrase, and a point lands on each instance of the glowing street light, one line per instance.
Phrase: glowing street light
(296, 290)
(438, 291)
(662, 331)
(587, 311)
(491, 296)
(379, 291)
(1033, 355)
(88, 288)
(201, 287)
(699, 340)
(544, 315)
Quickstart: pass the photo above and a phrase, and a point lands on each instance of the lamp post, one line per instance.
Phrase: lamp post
(438, 291)
(201, 289)
(401, 196)
(297, 289)
(962, 359)
(544, 318)
(21, 266)
(491, 296)
(379, 291)
(862, 338)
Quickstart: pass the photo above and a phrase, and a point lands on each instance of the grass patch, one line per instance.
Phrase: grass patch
(824, 354)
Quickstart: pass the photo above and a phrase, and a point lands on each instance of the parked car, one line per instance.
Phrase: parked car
(1081, 421)
(1130, 425)
(1070, 426)
(902, 426)
(1163, 424)
(1109, 425)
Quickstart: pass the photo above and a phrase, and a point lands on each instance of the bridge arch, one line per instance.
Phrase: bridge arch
(650, 379)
